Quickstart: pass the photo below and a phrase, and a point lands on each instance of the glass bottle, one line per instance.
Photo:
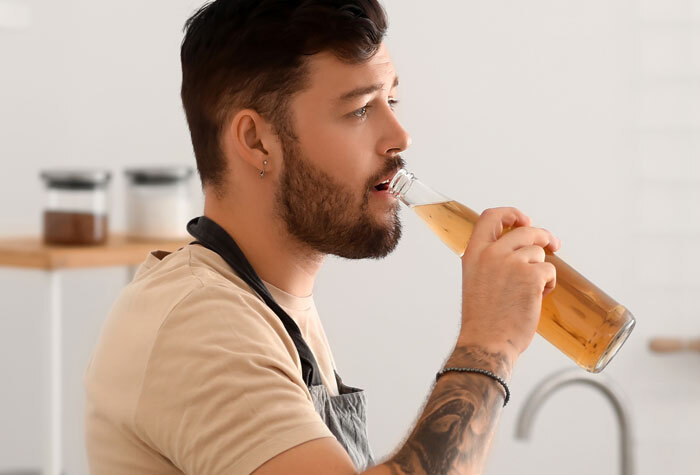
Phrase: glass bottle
(577, 317)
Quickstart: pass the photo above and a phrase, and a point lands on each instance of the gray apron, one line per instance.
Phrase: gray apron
(344, 414)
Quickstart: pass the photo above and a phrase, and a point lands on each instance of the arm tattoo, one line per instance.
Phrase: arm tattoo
(454, 432)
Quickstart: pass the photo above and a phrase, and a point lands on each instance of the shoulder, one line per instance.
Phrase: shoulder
(181, 311)
(193, 286)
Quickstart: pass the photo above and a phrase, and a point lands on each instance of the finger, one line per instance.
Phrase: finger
(530, 254)
(529, 236)
(548, 275)
(491, 223)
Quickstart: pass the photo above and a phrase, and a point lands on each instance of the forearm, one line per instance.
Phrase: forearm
(454, 432)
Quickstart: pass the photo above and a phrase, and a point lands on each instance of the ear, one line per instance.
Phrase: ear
(254, 140)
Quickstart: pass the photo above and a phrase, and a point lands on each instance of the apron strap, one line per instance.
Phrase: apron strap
(215, 238)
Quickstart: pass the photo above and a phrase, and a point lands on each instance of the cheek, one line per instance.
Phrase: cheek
(342, 152)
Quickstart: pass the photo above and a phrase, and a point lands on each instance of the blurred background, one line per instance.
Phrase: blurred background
(585, 115)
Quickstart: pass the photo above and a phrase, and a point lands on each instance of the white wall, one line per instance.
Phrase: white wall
(583, 114)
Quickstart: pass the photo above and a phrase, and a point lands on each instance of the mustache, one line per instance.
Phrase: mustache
(393, 164)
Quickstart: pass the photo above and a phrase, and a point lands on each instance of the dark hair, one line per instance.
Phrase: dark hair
(251, 54)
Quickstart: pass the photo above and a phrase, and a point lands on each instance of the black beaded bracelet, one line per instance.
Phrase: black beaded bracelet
(479, 371)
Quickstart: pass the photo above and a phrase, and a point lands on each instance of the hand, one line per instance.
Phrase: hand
(504, 278)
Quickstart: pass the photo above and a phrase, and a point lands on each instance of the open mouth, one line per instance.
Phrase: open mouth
(383, 186)
(386, 180)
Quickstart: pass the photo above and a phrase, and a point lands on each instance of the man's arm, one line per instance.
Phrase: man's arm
(454, 432)
(452, 435)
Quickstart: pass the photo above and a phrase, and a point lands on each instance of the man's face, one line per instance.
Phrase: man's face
(347, 141)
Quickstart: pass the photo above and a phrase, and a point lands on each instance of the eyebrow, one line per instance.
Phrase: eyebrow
(363, 91)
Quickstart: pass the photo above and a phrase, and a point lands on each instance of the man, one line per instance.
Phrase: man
(214, 360)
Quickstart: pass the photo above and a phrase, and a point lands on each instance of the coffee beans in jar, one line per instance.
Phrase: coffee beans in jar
(76, 207)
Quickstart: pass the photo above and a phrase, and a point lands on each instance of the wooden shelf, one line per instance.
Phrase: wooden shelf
(31, 252)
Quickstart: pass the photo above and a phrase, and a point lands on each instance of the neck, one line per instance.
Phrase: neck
(277, 257)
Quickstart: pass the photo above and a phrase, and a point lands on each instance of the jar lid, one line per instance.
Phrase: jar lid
(75, 179)
(158, 175)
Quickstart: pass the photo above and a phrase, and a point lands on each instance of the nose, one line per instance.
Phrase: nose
(396, 139)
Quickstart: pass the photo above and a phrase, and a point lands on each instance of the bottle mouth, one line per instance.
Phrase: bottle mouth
(400, 184)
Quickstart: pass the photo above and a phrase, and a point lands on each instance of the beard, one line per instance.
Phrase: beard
(325, 216)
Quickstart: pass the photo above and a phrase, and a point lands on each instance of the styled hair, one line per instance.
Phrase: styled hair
(239, 54)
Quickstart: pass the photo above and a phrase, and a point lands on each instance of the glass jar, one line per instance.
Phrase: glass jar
(76, 206)
(158, 202)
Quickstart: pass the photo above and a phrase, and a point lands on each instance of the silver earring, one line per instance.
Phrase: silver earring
(262, 172)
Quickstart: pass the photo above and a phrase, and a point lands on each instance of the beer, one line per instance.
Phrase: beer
(577, 317)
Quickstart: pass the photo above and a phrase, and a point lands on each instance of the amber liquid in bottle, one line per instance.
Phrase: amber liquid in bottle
(577, 317)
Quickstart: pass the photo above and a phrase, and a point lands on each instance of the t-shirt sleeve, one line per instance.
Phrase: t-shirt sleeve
(222, 393)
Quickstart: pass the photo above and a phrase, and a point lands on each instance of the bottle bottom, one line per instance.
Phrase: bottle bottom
(615, 344)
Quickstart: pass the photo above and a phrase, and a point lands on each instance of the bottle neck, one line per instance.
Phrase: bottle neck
(412, 192)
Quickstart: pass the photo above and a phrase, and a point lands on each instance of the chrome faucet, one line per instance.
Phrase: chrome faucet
(575, 376)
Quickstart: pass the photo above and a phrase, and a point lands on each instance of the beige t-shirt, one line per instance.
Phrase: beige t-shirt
(194, 374)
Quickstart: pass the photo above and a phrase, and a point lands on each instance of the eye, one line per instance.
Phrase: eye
(393, 103)
(361, 113)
